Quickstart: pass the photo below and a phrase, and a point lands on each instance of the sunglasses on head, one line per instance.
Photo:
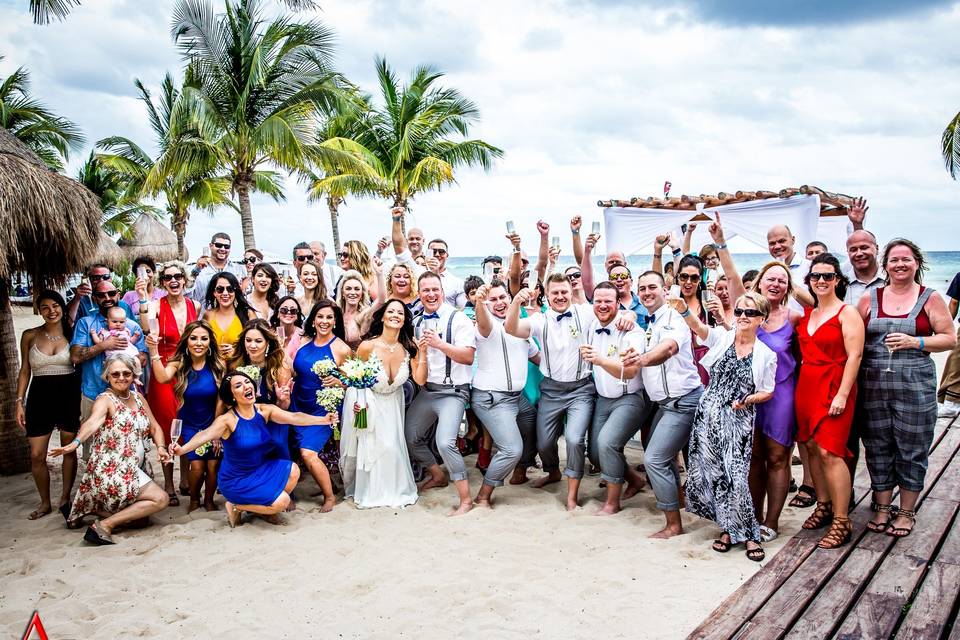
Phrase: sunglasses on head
(167, 277)
(224, 289)
(105, 294)
(100, 277)
(287, 311)
(221, 245)
(117, 375)
(251, 259)
(305, 258)
(439, 252)
(688, 277)
(829, 277)
(750, 313)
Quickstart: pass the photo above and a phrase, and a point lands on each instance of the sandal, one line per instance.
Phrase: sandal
(757, 555)
(174, 500)
(36, 514)
(820, 517)
(806, 496)
(95, 536)
(903, 532)
(720, 546)
(767, 534)
(881, 527)
(838, 535)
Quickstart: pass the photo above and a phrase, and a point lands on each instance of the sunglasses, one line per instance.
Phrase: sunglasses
(439, 252)
(287, 311)
(106, 294)
(616, 277)
(100, 277)
(118, 375)
(221, 245)
(574, 275)
(224, 289)
(829, 277)
(167, 277)
(310, 257)
(343, 254)
(251, 260)
(750, 313)
(688, 277)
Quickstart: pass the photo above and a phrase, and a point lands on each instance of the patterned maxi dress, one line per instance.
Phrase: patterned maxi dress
(113, 475)
(721, 444)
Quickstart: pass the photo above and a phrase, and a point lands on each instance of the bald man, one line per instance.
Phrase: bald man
(415, 242)
(864, 272)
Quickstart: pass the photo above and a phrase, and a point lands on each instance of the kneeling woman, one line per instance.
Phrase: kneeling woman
(250, 479)
(743, 373)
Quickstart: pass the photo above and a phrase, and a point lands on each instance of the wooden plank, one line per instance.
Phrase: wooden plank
(947, 486)
(950, 551)
(930, 610)
(740, 605)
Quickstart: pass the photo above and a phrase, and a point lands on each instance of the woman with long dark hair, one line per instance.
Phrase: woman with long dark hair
(690, 280)
(266, 283)
(287, 322)
(195, 369)
(227, 311)
(322, 340)
(374, 461)
(310, 274)
(53, 401)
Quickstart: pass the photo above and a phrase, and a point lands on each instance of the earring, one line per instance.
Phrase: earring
(209, 351)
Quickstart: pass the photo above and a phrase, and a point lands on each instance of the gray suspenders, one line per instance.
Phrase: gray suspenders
(506, 358)
(448, 365)
(546, 345)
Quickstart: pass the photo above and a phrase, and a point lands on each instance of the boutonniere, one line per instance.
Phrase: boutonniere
(574, 331)
(612, 350)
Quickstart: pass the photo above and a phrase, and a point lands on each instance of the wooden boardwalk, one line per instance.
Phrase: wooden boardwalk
(873, 587)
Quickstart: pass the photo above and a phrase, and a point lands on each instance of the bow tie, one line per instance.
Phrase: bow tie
(648, 320)
(431, 316)
(603, 330)
(565, 314)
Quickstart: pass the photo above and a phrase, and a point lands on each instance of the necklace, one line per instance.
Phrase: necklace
(124, 398)
(388, 347)
(52, 338)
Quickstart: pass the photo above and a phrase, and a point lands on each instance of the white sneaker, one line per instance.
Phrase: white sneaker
(949, 409)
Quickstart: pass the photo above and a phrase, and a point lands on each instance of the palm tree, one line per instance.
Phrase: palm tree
(408, 142)
(950, 146)
(44, 10)
(199, 187)
(120, 204)
(257, 98)
(49, 136)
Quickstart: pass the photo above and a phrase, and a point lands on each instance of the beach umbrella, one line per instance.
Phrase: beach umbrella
(150, 238)
(49, 226)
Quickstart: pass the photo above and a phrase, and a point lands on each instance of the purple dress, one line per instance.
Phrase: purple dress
(776, 418)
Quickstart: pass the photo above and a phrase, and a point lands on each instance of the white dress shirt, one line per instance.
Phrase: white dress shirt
(453, 290)
(858, 287)
(561, 359)
(502, 360)
(464, 335)
(202, 281)
(764, 361)
(677, 376)
(610, 343)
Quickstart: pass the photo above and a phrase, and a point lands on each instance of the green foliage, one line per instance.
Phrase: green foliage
(121, 205)
(950, 146)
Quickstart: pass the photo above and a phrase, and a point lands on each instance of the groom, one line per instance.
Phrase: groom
(448, 337)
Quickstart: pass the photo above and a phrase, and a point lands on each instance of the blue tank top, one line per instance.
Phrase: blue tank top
(307, 383)
(199, 399)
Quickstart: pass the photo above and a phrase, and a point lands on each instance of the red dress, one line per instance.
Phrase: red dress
(163, 402)
(821, 371)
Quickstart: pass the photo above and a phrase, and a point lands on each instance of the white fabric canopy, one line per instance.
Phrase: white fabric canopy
(752, 219)
(630, 229)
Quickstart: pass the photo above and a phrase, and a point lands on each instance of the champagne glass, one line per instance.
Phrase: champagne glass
(511, 229)
(154, 325)
(555, 242)
(206, 251)
(281, 334)
(176, 428)
(595, 228)
(889, 369)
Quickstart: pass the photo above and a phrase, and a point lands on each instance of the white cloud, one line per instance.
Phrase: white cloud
(588, 99)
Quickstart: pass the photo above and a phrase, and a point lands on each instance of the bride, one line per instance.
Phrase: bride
(374, 461)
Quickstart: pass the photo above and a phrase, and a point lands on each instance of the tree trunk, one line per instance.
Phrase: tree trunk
(178, 222)
(400, 201)
(242, 185)
(333, 204)
(14, 449)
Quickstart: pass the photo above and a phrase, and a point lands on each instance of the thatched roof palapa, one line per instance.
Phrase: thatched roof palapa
(831, 204)
(49, 224)
(151, 238)
(108, 252)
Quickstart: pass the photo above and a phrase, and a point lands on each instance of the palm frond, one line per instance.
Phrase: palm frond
(45, 10)
(950, 146)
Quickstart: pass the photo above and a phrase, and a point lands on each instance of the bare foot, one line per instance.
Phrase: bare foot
(464, 507)
(211, 506)
(42, 510)
(292, 506)
(550, 478)
(667, 532)
(434, 482)
(519, 476)
(328, 505)
(486, 503)
(193, 506)
(572, 505)
(633, 488)
(608, 510)
(273, 519)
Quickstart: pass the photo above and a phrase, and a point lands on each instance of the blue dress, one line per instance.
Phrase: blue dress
(199, 408)
(304, 399)
(279, 433)
(248, 475)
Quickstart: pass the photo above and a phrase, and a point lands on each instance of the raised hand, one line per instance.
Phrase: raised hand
(716, 232)
(377, 263)
(857, 212)
(140, 286)
(553, 253)
(524, 296)
(514, 239)
(662, 241)
(481, 294)
(575, 223)
(397, 213)
(591, 241)
(691, 227)
(543, 228)
(433, 264)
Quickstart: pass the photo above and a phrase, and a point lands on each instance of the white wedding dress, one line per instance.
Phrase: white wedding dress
(374, 461)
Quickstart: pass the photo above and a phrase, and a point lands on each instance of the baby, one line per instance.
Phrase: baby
(117, 327)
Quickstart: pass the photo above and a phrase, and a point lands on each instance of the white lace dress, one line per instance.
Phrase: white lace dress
(374, 461)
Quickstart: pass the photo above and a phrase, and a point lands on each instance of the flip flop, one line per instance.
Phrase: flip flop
(767, 534)
(757, 555)
(720, 546)
(97, 537)
(174, 500)
(36, 514)
(804, 501)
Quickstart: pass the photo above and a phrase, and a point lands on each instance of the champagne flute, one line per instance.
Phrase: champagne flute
(154, 325)
(511, 228)
(176, 428)
(555, 242)
(595, 228)
(889, 369)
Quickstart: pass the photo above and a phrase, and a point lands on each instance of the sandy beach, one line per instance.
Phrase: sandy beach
(525, 569)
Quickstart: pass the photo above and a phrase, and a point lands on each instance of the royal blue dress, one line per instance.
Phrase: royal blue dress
(279, 433)
(248, 473)
(304, 400)
(199, 408)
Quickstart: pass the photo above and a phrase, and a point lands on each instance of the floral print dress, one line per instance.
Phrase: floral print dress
(112, 476)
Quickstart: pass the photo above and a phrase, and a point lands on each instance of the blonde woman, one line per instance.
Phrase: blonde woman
(353, 298)
(355, 257)
(402, 285)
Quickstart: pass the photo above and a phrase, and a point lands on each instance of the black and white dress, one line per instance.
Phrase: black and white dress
(721, 444)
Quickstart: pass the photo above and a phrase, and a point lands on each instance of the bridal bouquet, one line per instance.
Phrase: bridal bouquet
(362, 375)
(324, 368)
(330, 400)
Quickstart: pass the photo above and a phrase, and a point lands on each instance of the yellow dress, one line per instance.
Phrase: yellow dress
(231, 334)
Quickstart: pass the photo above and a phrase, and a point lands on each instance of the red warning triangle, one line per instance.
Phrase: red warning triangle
(35, 625)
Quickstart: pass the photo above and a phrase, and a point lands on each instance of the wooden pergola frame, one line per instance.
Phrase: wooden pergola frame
(831, 204)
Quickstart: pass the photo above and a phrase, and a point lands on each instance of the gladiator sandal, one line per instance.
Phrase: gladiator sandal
(881, 527)
(903, 532)
(820, 517)
(838, 534)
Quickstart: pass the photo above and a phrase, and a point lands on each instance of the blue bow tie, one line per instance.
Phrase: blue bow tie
(603, 330)
(565, 314)
(648, 320)
(431, 316)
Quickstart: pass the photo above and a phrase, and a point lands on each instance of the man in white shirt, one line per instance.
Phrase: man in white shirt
(497, 397)
(671, 381)
(437, 254)
(449, 338)
(218, 261)
(331, 272)
(403, 246)
(621, 405)
(567, 390)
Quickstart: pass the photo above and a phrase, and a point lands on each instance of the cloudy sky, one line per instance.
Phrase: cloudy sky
(589, 99)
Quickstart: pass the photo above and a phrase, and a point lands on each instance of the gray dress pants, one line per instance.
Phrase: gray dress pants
(671, 431)
(615, 421)
(511, 422)
(443, 406)
(559, 400)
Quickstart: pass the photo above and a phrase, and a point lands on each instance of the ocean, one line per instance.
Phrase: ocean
(944, 265)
